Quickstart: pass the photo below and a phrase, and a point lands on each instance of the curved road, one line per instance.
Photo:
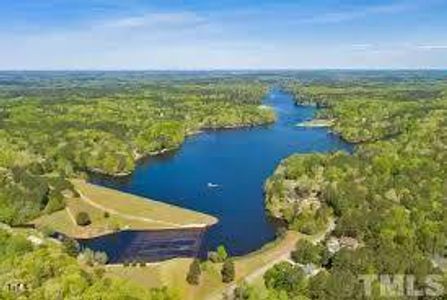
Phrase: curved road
(284, 256)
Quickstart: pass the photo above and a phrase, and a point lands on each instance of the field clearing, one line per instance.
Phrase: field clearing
(110, 211)
(172, 273)
(123, 204)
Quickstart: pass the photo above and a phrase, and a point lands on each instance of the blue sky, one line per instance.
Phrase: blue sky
(224, 34)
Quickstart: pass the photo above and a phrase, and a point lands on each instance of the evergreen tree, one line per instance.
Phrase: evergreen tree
(228, 271)
(83, 219)
(194, 272)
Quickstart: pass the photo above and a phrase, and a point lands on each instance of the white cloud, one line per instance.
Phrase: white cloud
(154, 20)
(432, 47)
(363, 46)
(358, 13)
(192, 40)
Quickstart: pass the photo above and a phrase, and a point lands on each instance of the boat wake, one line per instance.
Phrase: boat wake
(212, 185)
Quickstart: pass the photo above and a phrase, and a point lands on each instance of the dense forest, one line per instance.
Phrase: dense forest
(54, 126)
(388, 198)
(58, 125)
(48, 271)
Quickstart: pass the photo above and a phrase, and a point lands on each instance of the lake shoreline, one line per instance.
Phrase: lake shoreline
(316, 123)
(161, 187)
(141, 158)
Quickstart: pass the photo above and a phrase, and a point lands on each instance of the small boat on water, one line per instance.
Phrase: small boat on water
(212, 185)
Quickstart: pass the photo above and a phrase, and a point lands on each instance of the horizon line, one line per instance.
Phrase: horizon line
(228, 69)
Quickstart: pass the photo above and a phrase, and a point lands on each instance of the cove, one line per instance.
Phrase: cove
(236, 162)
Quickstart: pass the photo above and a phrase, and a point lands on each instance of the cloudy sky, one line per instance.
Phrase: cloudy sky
(223, 34)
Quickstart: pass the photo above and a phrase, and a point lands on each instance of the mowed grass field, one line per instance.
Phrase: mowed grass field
(172, 273)
(138, 207)
(111, 210)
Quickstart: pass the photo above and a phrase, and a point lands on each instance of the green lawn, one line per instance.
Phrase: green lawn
(110, 210)
(139, 207)
(131, 212)
(172, 273)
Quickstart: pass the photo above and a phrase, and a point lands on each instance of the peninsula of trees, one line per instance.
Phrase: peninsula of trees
(388, 198)
(382, 207)
(63, 125)
(57, 126)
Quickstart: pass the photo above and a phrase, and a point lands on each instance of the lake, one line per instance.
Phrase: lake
(222, 173)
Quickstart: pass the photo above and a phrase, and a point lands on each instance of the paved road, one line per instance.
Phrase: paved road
(284, 256)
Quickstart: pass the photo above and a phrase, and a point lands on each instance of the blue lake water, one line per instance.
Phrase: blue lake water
(239, 161)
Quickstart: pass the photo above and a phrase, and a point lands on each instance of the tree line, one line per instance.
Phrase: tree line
(389, 195)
